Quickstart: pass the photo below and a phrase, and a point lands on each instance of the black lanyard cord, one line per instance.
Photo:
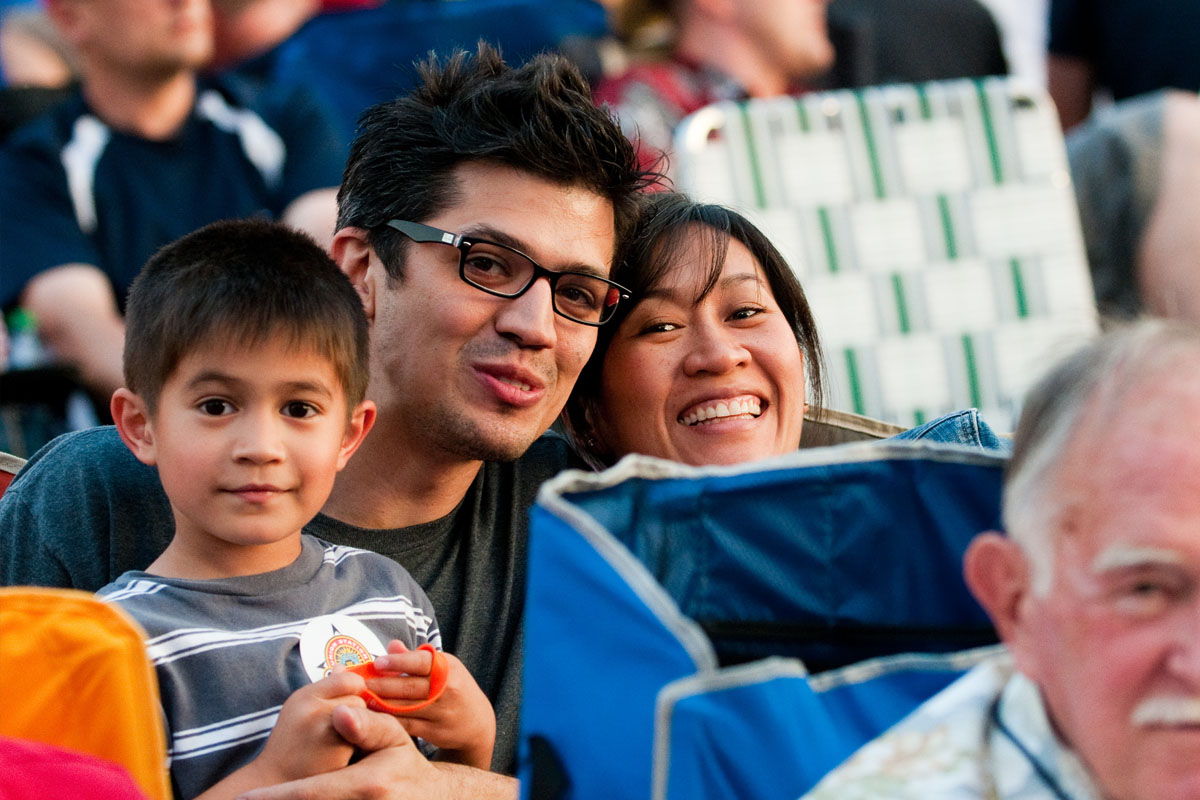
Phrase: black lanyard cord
(1038, 767)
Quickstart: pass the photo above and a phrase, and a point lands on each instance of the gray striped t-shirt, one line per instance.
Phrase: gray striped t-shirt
(226, 650)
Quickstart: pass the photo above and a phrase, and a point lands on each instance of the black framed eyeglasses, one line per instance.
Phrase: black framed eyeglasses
(506, 272)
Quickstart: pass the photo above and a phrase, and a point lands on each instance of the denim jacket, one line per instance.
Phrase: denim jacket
(959, 427)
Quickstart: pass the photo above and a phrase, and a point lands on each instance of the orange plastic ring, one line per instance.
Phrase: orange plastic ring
(438, 672)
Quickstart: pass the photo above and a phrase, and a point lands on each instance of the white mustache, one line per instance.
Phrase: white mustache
(1167, 710)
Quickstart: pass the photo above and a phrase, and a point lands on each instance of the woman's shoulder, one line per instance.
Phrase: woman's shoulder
(966, 427)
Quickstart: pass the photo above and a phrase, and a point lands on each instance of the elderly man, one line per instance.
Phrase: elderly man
(1096, 596)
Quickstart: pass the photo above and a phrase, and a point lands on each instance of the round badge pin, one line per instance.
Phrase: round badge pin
(336, 640)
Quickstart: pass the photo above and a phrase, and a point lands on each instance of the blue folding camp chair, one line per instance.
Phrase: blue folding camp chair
(674, 616)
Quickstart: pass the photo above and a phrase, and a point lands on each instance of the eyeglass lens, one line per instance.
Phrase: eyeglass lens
(580, 297)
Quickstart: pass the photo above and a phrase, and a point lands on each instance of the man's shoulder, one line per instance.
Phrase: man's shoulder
(51, 129)
(37, 147)
(672, 81)
(549, 455)
(937, 750)
(94, 455)
(277, 103)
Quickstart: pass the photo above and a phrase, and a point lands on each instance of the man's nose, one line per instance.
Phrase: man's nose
(529, 320)
(1184, 659)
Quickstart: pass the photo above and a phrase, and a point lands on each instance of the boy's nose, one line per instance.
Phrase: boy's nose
(259, 440)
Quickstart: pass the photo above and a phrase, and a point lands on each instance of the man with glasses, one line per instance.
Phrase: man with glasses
(478, 220)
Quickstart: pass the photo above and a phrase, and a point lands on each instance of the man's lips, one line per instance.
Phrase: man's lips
(740, 406)
(513, 386)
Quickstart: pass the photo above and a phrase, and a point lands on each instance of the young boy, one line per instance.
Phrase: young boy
(245, 371)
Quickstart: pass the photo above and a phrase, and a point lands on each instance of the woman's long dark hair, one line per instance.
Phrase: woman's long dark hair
(667, 222)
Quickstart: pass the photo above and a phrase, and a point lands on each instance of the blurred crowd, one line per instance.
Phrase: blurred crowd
(231, 227)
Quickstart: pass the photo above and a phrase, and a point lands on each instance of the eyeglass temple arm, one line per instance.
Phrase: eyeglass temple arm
(425, 233)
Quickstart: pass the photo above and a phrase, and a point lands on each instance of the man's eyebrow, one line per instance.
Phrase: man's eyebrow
(1124, 556)
(483, 231)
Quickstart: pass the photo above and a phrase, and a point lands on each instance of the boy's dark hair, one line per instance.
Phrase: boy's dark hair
(242, 281)
(538, 118)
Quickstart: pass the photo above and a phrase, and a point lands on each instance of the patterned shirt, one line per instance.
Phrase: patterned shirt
(985, 736)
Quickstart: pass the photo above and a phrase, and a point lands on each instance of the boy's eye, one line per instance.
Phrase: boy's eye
(299, 409)
(215, 408)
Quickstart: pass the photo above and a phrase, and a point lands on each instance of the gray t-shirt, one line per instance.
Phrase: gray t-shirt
(84, 510)
(227, 651)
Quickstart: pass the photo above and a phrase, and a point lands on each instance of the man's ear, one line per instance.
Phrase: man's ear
(352, 252)
(360, 424)
(722, 10)
(132, 418)
(998, 574)
(68, 17)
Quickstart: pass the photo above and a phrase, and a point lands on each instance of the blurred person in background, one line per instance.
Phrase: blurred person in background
(32, 53)
(714, 50)
(1122, 48)
(144, 152)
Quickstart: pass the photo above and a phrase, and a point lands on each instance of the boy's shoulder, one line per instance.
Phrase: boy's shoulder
(354, 563)
(120, 584)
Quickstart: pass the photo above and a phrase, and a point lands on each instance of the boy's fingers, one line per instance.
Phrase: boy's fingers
(400, 688)
(369, 730)
(415, 662)
(339, 684)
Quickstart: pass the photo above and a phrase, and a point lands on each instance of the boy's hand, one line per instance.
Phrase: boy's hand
(303, 742)
(461, 723)
(392, 768)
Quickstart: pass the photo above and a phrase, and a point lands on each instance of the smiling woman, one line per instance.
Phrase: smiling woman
(708, 365)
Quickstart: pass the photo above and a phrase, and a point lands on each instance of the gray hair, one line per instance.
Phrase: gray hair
(1071, 407)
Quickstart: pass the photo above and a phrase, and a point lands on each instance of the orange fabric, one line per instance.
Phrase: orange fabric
(74, 673)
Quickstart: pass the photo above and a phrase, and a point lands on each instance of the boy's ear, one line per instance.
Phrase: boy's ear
(361, 421)
(132, 419)
(352, 252)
